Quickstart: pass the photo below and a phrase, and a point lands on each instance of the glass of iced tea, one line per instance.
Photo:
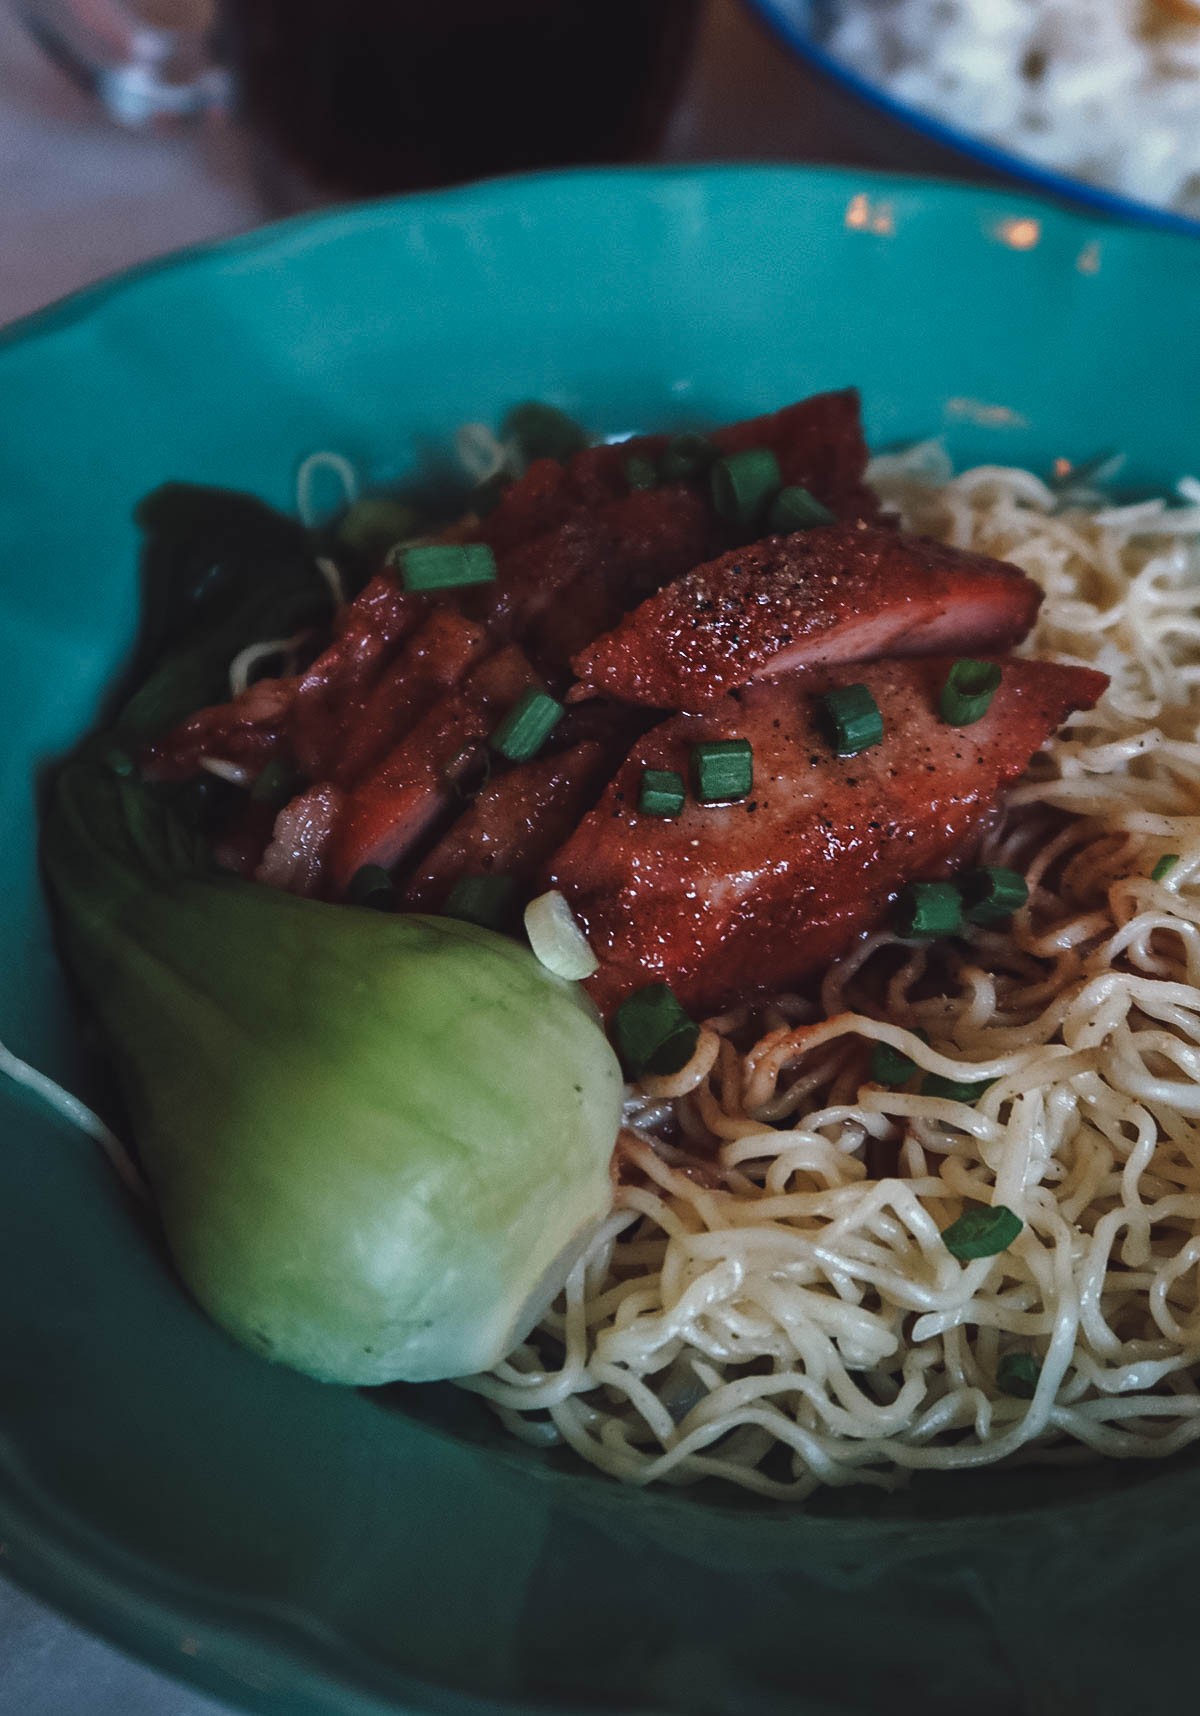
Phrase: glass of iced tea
(362, 97)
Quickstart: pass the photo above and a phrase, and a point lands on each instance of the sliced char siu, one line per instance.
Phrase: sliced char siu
(430, 662)
(836, 593)
(818, 442)
(296, 854)
(553, 594)
(514, 824)
(727, 899)
(250, 730)
(575, 550)
(405, 795)
(301, 719)
(332, 692)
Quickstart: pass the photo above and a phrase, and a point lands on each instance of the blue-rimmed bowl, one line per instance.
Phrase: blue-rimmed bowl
(309, 1551)
(797, 23)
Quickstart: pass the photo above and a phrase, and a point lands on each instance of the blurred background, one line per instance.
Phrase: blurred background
(130, 127)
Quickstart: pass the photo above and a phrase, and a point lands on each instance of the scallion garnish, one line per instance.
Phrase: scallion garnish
(744, 483)
(982, 1231)
(653, 1034)
(374, 523)
(722, 770)
(640, 472)
(968, 691)
(795, 509)
(1017, 1374)
(557, 941)
(954, 1090)
(686, 456)
(118, 759)
(1164, 866)
(484, 900)
(991, 896)
(662, 793)
(891, 1066)
(852, 718)
(928, 909)
(371, 886)
(527, 726)
(447, 566)
(543, 431)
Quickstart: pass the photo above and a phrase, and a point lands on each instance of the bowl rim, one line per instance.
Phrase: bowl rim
(82, 301)
(779, 18)
(234, 1647)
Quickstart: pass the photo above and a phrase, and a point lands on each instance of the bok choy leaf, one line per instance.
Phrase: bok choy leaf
(376, 1142)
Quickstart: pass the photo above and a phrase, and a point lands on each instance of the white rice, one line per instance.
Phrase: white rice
(1103, 90)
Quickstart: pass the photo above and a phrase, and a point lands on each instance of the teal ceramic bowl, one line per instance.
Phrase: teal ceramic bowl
(308, 1551)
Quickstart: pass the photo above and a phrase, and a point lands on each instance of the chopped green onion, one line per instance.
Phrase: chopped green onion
(484, 900)
(891, 1066)
(374, 523)
(447, 566)
(1098, 469)
(118, 759)
(653, 1033)
(983, 1231)
(275, 784)
(685, 456)
(557, 941)
(852, 718)
(527, 726)
(1164, 866)
(991, 896)
(954, 1090)
(743, 484)
(662, 793)
(722, 770)
(928, 909)
(640, 472)
(371, 886)
(796, 509)
(968, 691)
(1017, 1374)
(543, 431)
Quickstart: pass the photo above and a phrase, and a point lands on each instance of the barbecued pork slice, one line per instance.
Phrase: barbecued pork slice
(250, 730)
(728, 899)
(295, 856)
(299, 719)
(333, 690)
(837, 593)
(403, 797)
(514, 824)
(818, 443)
(555, 593)
(430, 661)
(820, 447)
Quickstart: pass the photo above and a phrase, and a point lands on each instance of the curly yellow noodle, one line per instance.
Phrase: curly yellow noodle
(771, 1302)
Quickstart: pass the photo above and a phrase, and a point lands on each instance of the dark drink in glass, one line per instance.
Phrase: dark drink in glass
(361, 97)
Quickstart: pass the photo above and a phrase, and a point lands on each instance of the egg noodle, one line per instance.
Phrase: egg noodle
(771, 1301)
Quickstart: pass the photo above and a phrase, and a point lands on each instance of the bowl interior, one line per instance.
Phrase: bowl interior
(304, 1549)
